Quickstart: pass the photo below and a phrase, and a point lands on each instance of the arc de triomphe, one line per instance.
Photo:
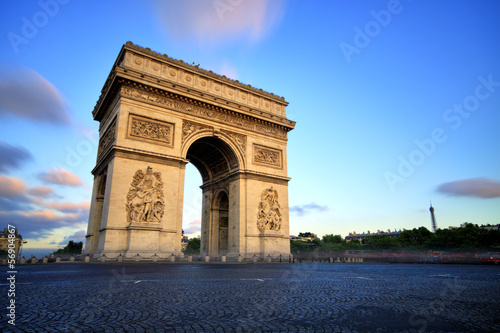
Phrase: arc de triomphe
(157, 114)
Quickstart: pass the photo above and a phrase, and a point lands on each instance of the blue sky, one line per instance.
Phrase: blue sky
(396, 102)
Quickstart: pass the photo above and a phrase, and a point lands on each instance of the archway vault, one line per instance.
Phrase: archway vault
(156, 114)
(215, 156)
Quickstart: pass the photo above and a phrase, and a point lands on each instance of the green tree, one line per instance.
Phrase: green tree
(354, 244)
(299, 246)
(71, 248)
(380, 242)
(333, 239)
(193, 246)
(416, 238)
(305, 234)
(490, 238)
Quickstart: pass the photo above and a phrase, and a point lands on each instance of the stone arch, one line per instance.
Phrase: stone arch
(170, 113)
(214, 158)
(223, 137)
(216, 161)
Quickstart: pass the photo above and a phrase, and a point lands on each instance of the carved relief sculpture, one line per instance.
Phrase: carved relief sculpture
(240, 140)
(267, 156)
(150, 130)
(220, 115)
(189, 128)
(145, 198)
(269, 215)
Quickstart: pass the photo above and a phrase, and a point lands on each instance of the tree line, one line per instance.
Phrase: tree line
(470, 237)
(71, 248)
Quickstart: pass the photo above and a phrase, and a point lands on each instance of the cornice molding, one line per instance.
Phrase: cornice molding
(131, 46)
(191, 106)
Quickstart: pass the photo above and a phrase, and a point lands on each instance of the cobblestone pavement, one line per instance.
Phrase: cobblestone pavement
(254, 298)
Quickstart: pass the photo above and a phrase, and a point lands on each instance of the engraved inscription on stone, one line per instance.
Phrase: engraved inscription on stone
(269, 215)
(268, 156)
(145, 197)
(153, 130)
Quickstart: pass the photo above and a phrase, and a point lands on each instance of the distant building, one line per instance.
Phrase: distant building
(482, 226)
(4, 241)
(184, 242)
(360, 237)
(490, 227)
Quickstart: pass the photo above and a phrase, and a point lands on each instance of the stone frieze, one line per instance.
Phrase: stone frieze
(268, 156)
(153, 130)
(203, 112)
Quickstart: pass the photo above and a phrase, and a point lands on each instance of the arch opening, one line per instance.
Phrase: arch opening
(212, 157)
(215, 160)
(191, 215)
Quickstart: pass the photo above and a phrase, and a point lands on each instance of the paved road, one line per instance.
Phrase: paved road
(255, 298)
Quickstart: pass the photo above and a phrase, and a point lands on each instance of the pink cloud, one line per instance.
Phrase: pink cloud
(69, 207)
(25, 93)
(219, 19)
(42, 221)
(193, 227)
(473, 187)
(42, 215)
(61, 176)
(11, 186)
(41, 191)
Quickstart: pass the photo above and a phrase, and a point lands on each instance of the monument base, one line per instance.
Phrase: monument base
(273, 243)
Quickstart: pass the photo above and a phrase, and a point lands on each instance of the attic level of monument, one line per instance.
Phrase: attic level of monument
(160, 74)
